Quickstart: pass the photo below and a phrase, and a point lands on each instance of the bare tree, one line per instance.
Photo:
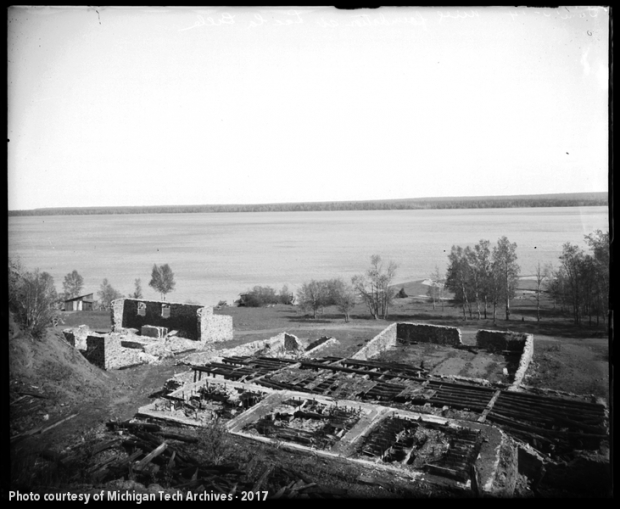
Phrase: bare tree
(436, 288)
(313, 295)
(137, 294)
(374, 286)
(342, 295)
(543, 275)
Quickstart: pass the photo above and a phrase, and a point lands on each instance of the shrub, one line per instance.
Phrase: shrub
(214, 441)
(32, 298)
(259, 296)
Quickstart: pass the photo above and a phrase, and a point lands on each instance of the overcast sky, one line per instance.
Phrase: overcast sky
(166, 106)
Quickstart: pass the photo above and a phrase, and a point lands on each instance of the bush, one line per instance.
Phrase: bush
(259, 296)
(32, 299)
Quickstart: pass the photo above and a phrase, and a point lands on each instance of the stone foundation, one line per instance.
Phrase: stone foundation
(506, 342)
(438, 334)
(153, 331)
(499, 341)
(317, 346)
(381, 342)
(217, 328)
(283, 344)
(524, 361)
(190, 321)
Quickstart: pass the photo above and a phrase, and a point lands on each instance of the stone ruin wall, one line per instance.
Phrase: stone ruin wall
(322, 346)
(103, 350)
(381, 342)
(438, 334)
(283, 343)
(191, 321)
(216, 328)
(183, 318)
(500, 341)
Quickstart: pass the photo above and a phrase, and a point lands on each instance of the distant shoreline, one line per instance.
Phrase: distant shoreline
(466, 202)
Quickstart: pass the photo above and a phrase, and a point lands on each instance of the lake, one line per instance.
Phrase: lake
(216, 256)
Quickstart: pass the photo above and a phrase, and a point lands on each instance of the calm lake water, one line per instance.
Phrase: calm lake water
(216, 256)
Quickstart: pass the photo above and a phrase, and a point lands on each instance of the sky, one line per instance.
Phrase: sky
(114, 106)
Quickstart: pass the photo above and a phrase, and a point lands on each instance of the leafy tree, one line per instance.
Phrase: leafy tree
(137, 294)
(572, 262)
(107, 294)
(480, 261)
(600, 246)
(313, 296)
(374, 286)
(32, 298)
(581, 283)
(72, 285)
(506, 270)
(162, 279)
(458, 277)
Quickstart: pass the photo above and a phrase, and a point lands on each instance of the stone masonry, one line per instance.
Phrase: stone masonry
(190, 321)
(419, 332)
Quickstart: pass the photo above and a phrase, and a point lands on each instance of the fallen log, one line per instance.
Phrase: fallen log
(133, 426)
(106, 445)
(127, 460)
(177, 436)
(149, 457)
(40, 429)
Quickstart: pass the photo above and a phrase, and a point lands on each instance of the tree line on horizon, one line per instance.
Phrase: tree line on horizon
(521, 201)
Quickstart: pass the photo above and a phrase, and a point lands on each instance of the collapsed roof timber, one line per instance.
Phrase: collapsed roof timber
(413, 420)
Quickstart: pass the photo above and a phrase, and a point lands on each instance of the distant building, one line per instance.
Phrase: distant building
(81, 303)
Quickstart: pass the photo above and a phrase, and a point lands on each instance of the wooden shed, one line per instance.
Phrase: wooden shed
(81, 303)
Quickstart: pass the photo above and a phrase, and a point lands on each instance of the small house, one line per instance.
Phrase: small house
(81, 303)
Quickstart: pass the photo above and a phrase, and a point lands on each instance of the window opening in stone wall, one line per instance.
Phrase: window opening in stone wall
(165, 311)
(141, 309)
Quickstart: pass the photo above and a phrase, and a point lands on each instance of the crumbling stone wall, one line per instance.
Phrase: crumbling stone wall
(378, 344)
(182, 317)
(499, 341)
(216, 328)
(191, 321)
(438, 334)
(319, 345)
(524, 361)
(77, 337)
(282, 344)
(107, 352)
